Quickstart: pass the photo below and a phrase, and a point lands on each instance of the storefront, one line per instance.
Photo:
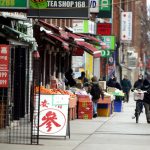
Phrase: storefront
(16, 46)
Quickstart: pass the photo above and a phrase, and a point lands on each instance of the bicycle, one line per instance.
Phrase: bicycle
(138, 97)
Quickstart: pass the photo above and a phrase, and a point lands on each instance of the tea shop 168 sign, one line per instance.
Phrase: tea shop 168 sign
(4, 62)
(58, 8)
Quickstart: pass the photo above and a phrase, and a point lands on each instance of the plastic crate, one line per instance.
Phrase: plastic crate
(103, 112)
(102, 105)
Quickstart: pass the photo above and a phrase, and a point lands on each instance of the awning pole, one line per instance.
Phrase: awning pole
(54, 74)
(44, 68)
(50, 58)
(59, 73)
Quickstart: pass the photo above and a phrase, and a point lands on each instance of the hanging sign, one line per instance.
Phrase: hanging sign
(4, 63)
(58, 8)
(106, 42)
(94, 6)
(104, 28)
(105, 9)
(126, 26)
(53, 116)
(105, 53)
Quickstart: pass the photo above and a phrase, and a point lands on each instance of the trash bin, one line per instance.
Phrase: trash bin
(118, 104)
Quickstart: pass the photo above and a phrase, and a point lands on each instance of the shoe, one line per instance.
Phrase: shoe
(95, 115)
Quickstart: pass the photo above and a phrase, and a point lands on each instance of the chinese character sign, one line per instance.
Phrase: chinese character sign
(53, 115)
(4, 63)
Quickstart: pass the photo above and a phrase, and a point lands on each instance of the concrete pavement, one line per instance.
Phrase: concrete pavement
(118, 132)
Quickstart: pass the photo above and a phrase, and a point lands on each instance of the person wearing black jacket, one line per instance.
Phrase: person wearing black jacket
(139, 83)
(96, 92)
(112, 82)
(146, 100)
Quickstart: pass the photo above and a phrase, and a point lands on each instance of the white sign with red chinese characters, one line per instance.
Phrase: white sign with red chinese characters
(4, 63)
(126, 26)
(53, 117)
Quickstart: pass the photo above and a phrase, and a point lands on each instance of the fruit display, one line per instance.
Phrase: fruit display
(44, 90)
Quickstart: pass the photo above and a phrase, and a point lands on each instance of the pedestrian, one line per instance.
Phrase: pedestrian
(126, 86)
(113, 83)
(82, 78)
(138, 83)
(96, 92)
(69, 80)
(146, 99)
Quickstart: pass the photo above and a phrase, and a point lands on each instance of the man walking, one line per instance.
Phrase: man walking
(126, 86)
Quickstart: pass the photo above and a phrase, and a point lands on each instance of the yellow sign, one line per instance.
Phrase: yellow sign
(89, 65)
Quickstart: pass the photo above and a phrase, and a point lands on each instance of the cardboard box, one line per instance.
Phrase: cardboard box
(85, 116)
(85, 109)
(83, 98)
(72, 113)
(111, 89)
(72, 102)
(102, 84)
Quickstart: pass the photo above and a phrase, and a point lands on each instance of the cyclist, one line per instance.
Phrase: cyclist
(138, 85)
(146, 100)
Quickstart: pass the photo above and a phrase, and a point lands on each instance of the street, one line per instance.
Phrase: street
(118, 132)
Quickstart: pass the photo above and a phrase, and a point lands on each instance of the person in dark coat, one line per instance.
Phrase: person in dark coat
(113, 83)
(96, 92)
(82, 78)
(126, 86)
(139, 83)
(146, 100)
(69, 78)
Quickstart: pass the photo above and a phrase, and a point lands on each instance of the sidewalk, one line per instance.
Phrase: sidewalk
(118, 132)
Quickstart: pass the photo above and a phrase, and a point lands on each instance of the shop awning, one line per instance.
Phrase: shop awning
(48, 26)
(89, 48)
(12, 32)
(88, 37)
(56, 39)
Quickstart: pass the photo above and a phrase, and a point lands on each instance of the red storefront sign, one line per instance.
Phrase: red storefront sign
(104, 28)
(4, 62)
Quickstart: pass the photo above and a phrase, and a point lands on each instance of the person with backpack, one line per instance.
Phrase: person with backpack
(96, 92)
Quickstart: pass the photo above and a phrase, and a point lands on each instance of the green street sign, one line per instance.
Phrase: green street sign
(106, 42)
(13, 4)
(105, 5)
(105, 9)
(105, 53)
